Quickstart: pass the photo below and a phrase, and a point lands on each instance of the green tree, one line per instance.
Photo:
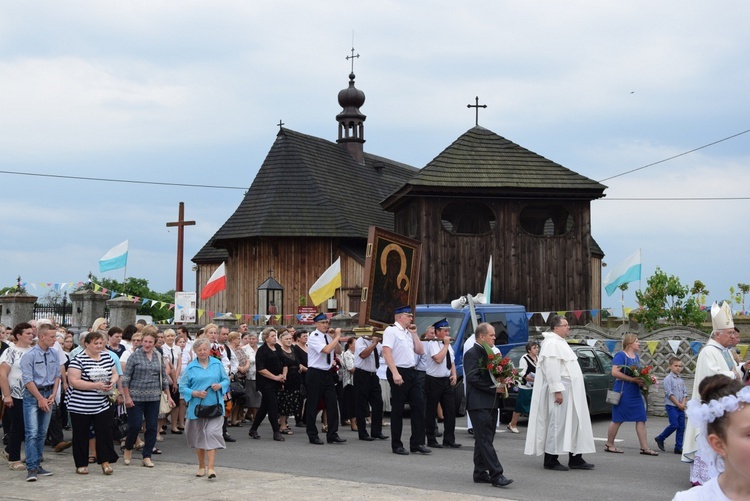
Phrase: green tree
(738, 295)
(667, 301)
(138, 287)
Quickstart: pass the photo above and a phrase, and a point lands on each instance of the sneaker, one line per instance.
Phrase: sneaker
(42, 472)
(31, 476)
(659, 443)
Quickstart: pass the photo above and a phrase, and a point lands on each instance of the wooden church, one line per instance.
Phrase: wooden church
(313, 201)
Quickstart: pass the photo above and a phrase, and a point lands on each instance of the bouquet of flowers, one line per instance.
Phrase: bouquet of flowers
(501, 369)
(215, 352)
(643, 373)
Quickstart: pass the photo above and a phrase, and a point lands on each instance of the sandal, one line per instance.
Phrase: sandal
(82, 470)
(17, 466)
(107, 469)
(286, 431)
(156, 451)
(92, 459)
(649, 452)
(139, 446)
(614, 450)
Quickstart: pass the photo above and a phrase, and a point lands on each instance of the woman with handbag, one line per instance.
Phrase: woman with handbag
(91, 379)
(270, 379)
(631, 407)
(527, 369)
(238, 379)
(203, 386)
(146, 389)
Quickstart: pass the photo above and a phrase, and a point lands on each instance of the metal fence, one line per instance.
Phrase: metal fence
(61, 313)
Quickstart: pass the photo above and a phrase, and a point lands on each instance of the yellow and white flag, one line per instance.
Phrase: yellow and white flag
(325, 286)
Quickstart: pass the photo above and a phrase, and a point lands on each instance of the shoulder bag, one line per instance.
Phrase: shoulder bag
(164, 407)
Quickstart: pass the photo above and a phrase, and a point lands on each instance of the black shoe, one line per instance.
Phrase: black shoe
(420, 449)
(336, 440)
(382, 437)
(227, 438)
(452, 445)
(434, 444)
(483, 479)
(678, 451)
(278, 436)
(316, 441)
(556, 467)
(401, 451)
(660, 444)
(502, 481)
(176, 432)
(438, 434)
(471, 431)
(581, 466)
(162, 432)
(253, 434)
(367, 439)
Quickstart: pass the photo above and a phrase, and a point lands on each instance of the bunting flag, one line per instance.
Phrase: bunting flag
(652, 346)
(577, 313)
(696, 346)
(675, 345)
(545, 316)
(200, 313)
(610, 344)
(529, 315)
(594, 313)
(561, 313)
(267, 317)
(627, 311)
(115, 258)
(325, 286)
(624, 272)
(743, 350)
(216, 284)
(591, 342)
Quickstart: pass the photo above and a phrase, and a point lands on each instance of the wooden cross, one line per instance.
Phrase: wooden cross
(352, 57)
(280, 124)
(477, 106)
(180, 223)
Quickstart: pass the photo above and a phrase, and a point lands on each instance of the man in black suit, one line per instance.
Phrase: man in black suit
(482, 403)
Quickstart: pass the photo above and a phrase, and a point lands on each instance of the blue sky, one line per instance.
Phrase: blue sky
(191, 92)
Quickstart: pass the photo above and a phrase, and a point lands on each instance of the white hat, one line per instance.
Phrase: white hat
(721, 316)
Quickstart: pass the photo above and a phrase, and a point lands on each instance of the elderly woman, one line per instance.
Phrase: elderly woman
(270, 379)
(253, 397)
(632, 406)
(289, 395)
(204, 382)
(527, 370)
(92, 376)
(173, 356)
(12, 387)
(300, 349)
(239, 375)
(143, 381)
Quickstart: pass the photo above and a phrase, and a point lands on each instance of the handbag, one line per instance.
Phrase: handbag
(164, 407)
(120, 424)
(237, 390)
(209, 411)
(613, 397)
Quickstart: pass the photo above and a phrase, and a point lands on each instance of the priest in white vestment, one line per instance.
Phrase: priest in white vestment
(559, 421)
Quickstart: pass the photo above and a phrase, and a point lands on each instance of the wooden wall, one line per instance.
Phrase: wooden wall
(297, 262)
(548, 273)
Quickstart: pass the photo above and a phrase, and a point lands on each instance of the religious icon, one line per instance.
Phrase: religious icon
(392, 275)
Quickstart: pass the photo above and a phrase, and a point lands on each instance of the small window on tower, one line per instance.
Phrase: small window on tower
(546, 220)
(468, 218)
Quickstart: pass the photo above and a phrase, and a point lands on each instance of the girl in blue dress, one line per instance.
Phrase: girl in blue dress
(632, 406)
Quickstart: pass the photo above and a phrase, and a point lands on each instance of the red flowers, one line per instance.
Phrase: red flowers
(501, 369)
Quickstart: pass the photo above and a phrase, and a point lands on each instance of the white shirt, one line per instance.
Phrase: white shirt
(366, 364)
(316, 359)
(401, 343)
(710, 491)
(250, 352)
(434, 369)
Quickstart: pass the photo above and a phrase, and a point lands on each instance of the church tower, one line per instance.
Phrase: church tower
(352, 121)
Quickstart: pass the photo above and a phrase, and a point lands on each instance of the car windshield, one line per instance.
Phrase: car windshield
(424, 320)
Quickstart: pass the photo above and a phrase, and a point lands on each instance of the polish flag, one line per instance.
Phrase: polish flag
(217, 283)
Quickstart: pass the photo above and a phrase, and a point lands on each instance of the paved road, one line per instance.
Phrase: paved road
(366, 470)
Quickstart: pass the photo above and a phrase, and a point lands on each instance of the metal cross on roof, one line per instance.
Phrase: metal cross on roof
(280, 124)
(477, 106)
(352, 57)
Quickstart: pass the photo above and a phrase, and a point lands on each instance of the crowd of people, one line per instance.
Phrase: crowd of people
(167, 380)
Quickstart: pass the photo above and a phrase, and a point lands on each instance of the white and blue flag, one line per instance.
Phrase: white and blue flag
(115, 258)
(624, 272)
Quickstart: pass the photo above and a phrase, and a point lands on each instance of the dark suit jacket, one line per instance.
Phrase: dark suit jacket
(480, 391)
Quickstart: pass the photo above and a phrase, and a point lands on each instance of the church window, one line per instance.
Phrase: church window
(546, 220)
(467, 218)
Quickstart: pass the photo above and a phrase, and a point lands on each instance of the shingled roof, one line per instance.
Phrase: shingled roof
(308, 186)
(483, 162)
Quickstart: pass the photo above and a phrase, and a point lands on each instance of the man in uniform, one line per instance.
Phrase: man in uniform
(560, 420)
(320, 383)
(367, 387)
(401, 345)
(483, 403)
(439, 385)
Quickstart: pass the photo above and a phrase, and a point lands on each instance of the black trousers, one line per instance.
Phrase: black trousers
(440, 391)
(16, 431)
(55, 428)
(320, 385)
(485, 456)
(367, 394)
(102, 423)
(269, 405)
(413, 392)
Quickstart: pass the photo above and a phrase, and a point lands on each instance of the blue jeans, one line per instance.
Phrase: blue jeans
(36, 422)
(676, 423)
(136, 414)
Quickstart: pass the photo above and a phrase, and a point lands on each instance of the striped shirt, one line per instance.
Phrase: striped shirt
(92, 371)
